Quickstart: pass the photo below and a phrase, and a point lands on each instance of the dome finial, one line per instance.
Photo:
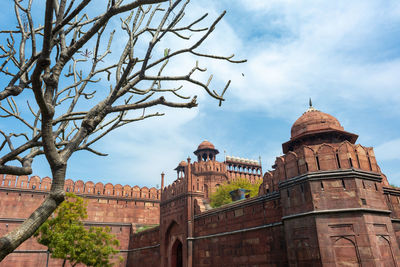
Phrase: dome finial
(310, 108)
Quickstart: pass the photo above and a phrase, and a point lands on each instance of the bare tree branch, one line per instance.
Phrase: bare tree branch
(86, 83)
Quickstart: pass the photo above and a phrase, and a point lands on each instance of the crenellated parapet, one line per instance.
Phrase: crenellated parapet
(24, 182)
(35, 183)
(178, 187)
(321, 157)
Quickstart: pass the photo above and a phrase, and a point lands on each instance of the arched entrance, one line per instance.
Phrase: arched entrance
(176, 254)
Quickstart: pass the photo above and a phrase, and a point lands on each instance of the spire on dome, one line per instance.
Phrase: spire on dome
(310, 108)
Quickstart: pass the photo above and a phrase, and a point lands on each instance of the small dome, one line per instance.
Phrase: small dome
(314, 121)
(182, 163)
(205, 145)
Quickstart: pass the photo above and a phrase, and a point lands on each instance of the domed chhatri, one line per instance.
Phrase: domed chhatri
(183, 163)
(206, 151)
(205, 145)
(314, 121)
(316, 126)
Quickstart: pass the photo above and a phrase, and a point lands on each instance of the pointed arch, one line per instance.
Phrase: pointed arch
(346, 155)
(345, 250)
(89, 188)
(291, 165)
(99, 188)
(10, 180)
(45, 184)
(144, 192)
(176, 254)
(372, 159)
(127, 191)
(79, 187)
(22, 181)
(266, 184)
(310, 162)
(280, 168)
(172, 243)
(385, 250)
(326, 158)
(109, 189)
(361, 155)
(68, 185)
(118, 190)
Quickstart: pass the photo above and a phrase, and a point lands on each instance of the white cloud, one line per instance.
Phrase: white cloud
(388, 150)
(337, 52)
(331, 51)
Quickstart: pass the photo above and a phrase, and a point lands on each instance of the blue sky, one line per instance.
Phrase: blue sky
(345, 55)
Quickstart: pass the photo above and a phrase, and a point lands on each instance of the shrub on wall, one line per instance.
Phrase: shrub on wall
(67, 238)
(222, 196)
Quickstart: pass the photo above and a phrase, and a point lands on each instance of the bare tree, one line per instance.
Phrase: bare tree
(80, 92)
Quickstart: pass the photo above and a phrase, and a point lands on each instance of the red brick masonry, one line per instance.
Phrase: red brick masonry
(325, 203)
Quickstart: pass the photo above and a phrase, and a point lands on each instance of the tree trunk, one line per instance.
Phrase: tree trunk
(12, 240)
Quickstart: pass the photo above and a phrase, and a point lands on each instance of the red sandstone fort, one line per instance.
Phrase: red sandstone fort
(325, 203)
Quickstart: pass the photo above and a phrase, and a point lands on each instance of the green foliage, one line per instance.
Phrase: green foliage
(68, 239)
(222, 196)
(145, 227)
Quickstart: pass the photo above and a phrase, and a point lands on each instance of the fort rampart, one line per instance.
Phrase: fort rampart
(122, 208)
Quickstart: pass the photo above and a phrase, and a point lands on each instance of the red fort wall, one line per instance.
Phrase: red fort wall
(122, 208)
(325, 203)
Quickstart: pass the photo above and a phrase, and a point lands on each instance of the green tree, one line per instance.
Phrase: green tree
(222, 196)
(68, 239)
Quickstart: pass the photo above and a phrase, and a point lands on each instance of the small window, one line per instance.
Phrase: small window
(363, 201)
(33, 186)
(338, 160)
